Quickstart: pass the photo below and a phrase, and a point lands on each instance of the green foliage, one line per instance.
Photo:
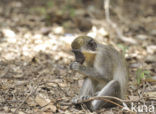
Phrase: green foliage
(69, 8)
(124, 48)
(62, 9)
(50, 3)
(43, 9)
(142, 74)
(39, 10)
(72, 12)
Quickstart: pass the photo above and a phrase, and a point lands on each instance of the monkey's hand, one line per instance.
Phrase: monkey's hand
(87, 71)
(75, 66)
(79, 99)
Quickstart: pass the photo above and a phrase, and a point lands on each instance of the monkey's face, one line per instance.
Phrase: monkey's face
(83, 44)
(79, 57)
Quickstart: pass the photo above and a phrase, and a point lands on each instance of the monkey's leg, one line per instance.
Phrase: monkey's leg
(111, 89)
(87, 90)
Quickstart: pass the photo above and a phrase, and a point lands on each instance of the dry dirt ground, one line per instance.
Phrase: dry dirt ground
(35, 53)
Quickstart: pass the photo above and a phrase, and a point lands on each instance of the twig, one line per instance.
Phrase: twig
(32, 91)
(114, 26)
(110, 101)
(57, 85)
(105, 98)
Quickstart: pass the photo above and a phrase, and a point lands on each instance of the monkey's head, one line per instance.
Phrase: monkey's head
(82, 47)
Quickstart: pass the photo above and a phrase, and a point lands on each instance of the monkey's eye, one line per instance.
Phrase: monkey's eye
(92, 45)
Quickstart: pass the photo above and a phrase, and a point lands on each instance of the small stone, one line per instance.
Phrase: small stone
(151, 58)
(42, 100)
(20, 112)
(6, 109)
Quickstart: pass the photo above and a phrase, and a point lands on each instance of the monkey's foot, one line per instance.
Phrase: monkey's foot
(77, 100)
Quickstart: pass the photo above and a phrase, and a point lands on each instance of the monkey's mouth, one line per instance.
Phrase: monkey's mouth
(79, 57)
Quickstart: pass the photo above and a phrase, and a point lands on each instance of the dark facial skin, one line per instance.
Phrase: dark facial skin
(78, 56)
(91, 45)
(82, 43)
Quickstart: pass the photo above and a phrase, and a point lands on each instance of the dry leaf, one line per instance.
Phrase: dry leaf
(133, 98)
(50, 107)
(42, 100)
(150, 94)
(31, 102)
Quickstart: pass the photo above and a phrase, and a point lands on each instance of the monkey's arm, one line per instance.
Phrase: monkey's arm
(87, 71)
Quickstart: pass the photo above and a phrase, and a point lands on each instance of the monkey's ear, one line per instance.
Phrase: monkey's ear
(92, 45)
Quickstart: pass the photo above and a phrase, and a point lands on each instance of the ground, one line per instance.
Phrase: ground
(35, 52)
